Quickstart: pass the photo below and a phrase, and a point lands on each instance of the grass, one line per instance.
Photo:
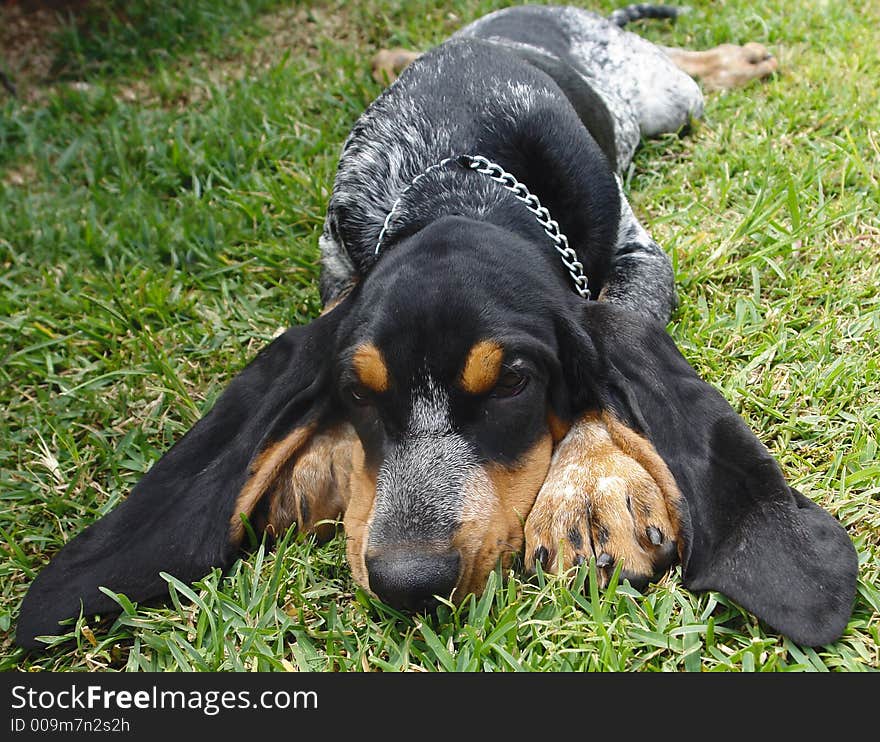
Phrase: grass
(159, 224)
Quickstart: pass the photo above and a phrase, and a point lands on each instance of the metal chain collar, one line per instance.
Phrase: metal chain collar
(494, 171)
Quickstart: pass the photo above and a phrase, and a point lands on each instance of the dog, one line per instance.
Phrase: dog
(491, 374)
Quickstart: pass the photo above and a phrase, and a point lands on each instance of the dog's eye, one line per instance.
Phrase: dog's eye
(510, 384)
(360, 395)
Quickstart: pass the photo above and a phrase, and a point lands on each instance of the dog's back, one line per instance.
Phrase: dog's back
(557, 96)
(464, 96)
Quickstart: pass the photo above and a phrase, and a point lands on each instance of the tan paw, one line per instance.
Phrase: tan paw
(599, 501)
(734, 66)
(389, 63)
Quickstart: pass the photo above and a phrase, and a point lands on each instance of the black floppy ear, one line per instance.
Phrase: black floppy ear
(748, 534)
(181, 518)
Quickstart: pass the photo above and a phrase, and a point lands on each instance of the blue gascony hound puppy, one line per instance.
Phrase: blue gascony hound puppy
(492, 374)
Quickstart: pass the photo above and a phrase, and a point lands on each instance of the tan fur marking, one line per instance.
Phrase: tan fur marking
(317, 478)
(359, 515)
(482, 367)
(335, 303)
(497, 503)
(302, 479)
(263, 472)
(558, 428)
(369, 365)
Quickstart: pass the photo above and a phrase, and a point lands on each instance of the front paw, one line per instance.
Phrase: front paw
(602, 499)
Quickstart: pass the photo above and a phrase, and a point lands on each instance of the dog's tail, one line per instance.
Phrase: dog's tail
(637, 11)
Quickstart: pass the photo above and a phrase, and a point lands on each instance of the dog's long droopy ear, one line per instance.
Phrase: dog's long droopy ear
(748, 534)
(181, 518)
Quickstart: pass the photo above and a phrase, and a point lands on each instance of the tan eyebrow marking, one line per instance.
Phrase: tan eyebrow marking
(369, 365)
(482, 367)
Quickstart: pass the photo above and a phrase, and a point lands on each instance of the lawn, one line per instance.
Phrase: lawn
(163, 180)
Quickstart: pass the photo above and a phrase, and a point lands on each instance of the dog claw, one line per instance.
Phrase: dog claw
(604, 560)
(541, 555)
(654, 535)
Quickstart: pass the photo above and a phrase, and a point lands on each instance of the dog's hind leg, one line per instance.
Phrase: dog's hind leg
(389, 63)
(666, 99)
(725, 66)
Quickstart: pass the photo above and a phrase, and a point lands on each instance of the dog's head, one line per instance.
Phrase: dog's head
(425, 407)
(447, 366)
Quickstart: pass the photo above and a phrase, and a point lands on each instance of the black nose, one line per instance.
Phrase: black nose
(408, 580)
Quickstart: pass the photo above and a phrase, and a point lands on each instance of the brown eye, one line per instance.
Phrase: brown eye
(360, 395)
(510, 383)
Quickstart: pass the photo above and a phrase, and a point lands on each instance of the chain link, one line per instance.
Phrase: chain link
(481, 165)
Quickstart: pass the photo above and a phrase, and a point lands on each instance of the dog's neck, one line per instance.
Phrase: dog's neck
(461, 191)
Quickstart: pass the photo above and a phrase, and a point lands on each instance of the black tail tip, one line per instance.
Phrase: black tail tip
(637, 11)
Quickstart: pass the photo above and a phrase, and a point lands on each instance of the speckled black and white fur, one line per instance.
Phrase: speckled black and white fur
(558, 96)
